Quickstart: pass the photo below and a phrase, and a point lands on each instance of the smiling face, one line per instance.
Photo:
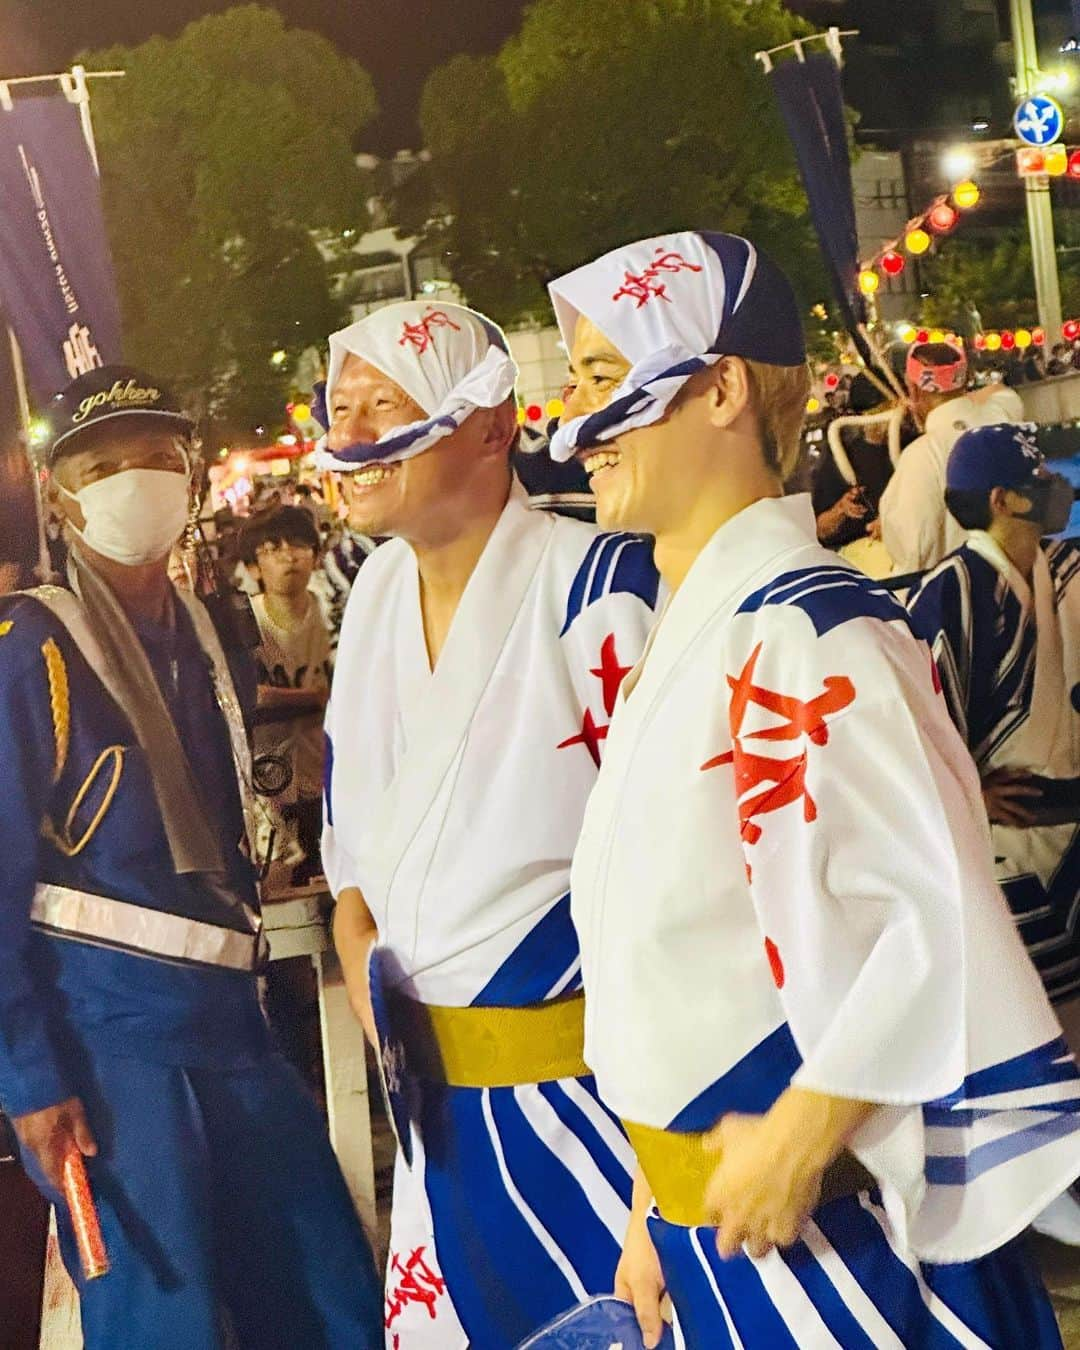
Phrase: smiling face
(420, 497)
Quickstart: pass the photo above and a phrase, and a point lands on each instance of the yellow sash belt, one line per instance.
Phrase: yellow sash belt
(492, 1047)
(678, 1169)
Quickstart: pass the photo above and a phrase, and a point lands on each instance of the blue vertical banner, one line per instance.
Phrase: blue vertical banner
(57, 287)
(811, 101)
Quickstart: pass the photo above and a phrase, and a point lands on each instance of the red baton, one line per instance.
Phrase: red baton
(84, 1217)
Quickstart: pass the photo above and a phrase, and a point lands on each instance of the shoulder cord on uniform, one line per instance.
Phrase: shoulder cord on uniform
(60, 707)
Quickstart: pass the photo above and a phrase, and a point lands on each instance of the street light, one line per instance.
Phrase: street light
(958, 164)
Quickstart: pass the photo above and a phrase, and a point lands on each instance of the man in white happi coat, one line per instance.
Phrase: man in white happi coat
(480, 657)
(804, 994)
(916, 527)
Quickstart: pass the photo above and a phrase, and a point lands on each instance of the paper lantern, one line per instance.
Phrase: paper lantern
(993, 342)
(966, 194)
(1056, 160)
(1023, 338)
(943, 218)
(1038, 337)
(916, 241)
(1008, 341)
(534, 412)
(301, 412)
(869, 281)
(936, 335)
(1071, 329)
(1073, 169)
(1030, 160)
(908, 333)
(980, 342)
(922, 336)
(521, 416)
(813, 405)
(555, 407)
(832, 380)
(892, 263)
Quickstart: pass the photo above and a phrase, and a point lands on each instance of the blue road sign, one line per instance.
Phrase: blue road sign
(1039, 120)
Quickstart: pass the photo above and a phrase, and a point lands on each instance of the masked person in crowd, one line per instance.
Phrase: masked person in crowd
(479, 659)
(916, 528)
(793, 948)
(1002, 617)
(293, 661)
(130, 940)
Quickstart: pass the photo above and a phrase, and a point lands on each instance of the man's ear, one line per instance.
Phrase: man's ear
(501, 430)
(728, 390)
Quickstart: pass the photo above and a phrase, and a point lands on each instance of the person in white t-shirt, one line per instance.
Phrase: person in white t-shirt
(282, 549)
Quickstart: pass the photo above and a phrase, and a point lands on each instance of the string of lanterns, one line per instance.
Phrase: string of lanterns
(534, 412)
(940, 218)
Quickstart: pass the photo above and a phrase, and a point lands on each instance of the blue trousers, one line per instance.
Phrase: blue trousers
(221, 1202)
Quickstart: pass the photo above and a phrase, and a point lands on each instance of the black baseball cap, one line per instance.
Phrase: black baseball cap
(106, 393)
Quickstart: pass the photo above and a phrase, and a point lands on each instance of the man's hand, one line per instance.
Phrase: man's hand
(52, 1133)
(873, 530)
(638, 1278)
(851, 506)
(769, 1176)
(1005, 792)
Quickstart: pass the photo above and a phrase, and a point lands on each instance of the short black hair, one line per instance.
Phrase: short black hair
(971, 508)
(282, 525)
(938, 354)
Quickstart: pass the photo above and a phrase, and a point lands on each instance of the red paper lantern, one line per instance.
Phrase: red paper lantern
(980, 342)
(1072, 169)
(1008, 341)
(943, 218)
(534, 412)
(892, 263)
(832, 380)
(922, 336)
(1071, 329)
(1030, 160)
(1038, 337)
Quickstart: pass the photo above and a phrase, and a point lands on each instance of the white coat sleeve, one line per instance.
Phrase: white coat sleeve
(913, 510)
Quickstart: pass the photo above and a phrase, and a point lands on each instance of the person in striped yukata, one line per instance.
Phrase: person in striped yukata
(1002, 617)
(805, 997)
(481, 650)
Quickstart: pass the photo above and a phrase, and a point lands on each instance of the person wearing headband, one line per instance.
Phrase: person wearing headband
(130, 938)
(479, 658)
(804, 995)
(915, 527)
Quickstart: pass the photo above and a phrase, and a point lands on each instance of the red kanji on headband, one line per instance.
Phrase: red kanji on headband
(643, 286)
(419, 333)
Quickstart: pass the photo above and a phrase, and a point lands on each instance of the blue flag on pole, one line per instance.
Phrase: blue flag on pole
(57, 286)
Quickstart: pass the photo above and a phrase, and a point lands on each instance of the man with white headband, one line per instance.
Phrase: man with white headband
(916, 527)
(804, 994)
(479, 658)
(131, 944)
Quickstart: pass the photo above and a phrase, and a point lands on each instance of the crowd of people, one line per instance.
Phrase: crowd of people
(706, 876)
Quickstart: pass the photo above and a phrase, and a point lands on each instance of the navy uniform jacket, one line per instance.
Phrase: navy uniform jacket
(79, 810)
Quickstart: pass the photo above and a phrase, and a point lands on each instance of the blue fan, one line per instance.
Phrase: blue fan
(603, 1323)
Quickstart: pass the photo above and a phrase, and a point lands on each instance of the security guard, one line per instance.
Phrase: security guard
(130, 939)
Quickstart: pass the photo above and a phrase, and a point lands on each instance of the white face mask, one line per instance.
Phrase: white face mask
(134, 516)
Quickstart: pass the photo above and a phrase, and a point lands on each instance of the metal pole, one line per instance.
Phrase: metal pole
(1037, 188)
(23, 397)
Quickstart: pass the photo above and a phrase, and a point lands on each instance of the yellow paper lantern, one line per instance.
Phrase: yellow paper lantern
(555, 407)
(1056, 160)
(908, 333)
(301, 412)
(936, 335)
(1023, 338)
(813, 405)
(966, 194)
(993, 342)
(917, 241)
(869, 281)
(521, 416)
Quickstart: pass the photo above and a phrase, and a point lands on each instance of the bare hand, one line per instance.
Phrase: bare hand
(873, 530)
(639, 1280)
(51, 1134)
(851, 506)
(762, 1190)
(1005, 792)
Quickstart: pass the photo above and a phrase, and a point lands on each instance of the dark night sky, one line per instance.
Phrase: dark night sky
(398, 41)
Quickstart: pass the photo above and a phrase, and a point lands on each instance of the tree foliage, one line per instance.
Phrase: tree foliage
(226, 160)
(592, 127)
(996, 276)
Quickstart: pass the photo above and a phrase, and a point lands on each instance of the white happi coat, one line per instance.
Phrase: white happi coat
(455, 798)
(784, 877)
